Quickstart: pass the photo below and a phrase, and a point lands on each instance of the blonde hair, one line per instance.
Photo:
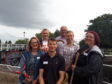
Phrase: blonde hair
(45, 30)
(70, 32)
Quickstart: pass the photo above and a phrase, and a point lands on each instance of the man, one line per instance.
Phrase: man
(69, 50)
(63, 32)
(61, 40)
(44, 41)
(52, 66)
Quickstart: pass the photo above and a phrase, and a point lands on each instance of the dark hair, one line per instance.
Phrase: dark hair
(29, 45)
(96, 36)
(52, 39)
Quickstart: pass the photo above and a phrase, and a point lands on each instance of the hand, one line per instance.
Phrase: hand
(67, 68)
(34, 82)
(73, 66)
(28, 80)
(45, 48)
(59, 82)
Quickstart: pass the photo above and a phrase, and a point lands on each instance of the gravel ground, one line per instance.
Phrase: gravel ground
(8, 78)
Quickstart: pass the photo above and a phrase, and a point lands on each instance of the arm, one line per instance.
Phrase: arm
(61, 77)
(61, 71)
(41, 79)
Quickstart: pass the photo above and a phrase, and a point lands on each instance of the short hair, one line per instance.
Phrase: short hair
(52, 39)
(70, 32)
(29, 44)
(63, 27)
(45, 30)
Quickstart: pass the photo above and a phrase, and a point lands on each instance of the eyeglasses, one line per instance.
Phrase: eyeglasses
(34, 42)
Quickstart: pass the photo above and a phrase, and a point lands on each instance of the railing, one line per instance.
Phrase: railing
(8, 47)
(107, 51)
(107, 69)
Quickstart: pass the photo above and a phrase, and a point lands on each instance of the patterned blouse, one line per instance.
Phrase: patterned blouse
(69, 52)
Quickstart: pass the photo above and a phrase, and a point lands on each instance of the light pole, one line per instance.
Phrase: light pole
(24, 34)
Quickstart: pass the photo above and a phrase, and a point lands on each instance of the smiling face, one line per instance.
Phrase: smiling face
(52, 45)
(90, 39)
(70, 37)
(34, 44)
(63, 31)
(45, 34)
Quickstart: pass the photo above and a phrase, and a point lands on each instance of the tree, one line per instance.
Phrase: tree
(9, 42)
(0, 41)
(6, 42)
(56, 33)
(38, 35)
(82, 43)
(22, 41)
(103, 26)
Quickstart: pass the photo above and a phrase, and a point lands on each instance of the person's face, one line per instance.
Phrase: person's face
(52, 46)
(63, 32)
(70, 37)
(34, 44)
(90, 39)
(45, 34)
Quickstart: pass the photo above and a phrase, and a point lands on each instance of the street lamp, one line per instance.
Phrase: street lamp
(24, 34)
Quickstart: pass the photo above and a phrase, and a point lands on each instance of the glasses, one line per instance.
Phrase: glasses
(34, 42)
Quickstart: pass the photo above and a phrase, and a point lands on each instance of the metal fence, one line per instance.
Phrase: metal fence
(8, 47)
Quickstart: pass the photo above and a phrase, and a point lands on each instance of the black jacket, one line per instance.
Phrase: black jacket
(89, 68)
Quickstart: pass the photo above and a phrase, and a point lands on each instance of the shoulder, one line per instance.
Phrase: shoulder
(58, 38)
(41, 52)
(76, 45)
(95, 55)
(96, 51)
(25, 53)
(44, 56)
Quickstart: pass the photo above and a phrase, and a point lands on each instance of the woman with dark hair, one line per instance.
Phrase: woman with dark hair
(89, 66)
(29, 62)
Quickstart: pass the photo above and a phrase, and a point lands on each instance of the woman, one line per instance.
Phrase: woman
(29, 62)
(89, 68)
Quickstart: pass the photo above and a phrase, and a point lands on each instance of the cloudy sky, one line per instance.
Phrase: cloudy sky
(31, 16)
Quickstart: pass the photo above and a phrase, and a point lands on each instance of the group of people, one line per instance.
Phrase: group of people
(60, 60)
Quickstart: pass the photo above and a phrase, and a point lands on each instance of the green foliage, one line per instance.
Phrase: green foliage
(51, 35)
(22, 41)
(56, 33)
(81, 43)
(38, 35)
(6, 42)
(9, 42)
(103, 26)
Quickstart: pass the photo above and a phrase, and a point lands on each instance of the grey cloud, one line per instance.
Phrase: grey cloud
(23, 13)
